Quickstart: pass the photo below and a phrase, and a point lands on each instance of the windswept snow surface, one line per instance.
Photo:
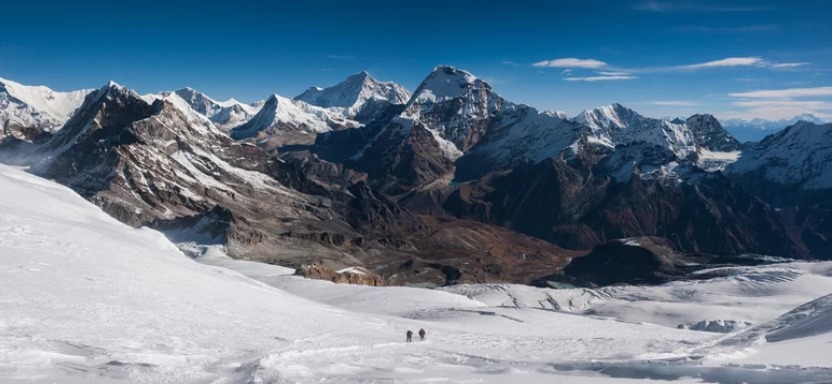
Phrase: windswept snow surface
(748, 294)
(86, 299)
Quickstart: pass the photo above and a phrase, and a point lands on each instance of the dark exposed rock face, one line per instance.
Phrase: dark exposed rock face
(791, 170)
(644, 260)
(566, 202)
(404, 157)
(709, 133)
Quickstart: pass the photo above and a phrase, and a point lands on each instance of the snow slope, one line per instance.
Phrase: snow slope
(746, 294)
(85, 295)
(37, 106)
(800, 155)
(87, 299)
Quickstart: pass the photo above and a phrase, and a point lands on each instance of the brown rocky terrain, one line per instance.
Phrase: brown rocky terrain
(456, 186)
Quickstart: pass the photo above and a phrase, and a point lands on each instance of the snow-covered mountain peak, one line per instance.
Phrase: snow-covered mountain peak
(114, 90)
(799, 155)
(224, 114)
(351, 94)
(445, 83)
(609, 116)
(808, 117)
(35, 108)
(283, 121)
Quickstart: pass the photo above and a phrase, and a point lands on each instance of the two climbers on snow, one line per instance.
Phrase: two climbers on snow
(409, 335)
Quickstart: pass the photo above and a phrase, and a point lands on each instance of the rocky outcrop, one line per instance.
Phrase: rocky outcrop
(717, 326)
(642, 260)
(353, 275)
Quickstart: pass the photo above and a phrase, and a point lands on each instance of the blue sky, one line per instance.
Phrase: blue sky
(662, 58)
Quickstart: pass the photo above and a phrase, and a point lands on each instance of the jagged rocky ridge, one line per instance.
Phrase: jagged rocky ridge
(164, 165)
(439, 187)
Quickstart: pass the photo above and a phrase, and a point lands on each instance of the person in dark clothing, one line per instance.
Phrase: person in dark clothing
(409, 335)
(422, 334)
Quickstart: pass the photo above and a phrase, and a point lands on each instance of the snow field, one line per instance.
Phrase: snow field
(86, 299)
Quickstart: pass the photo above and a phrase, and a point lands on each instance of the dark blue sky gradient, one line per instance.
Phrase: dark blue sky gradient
(252, 49)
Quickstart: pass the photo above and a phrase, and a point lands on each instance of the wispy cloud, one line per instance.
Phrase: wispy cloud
(674, 103)
(340, 57)
(727, 62)
(601, 78)
(511, 63)
(571, 62)
(784, 93)
(736, 29)
(694, 7)
(607, 73)
(781, 109)
(803, 104)
(783, 103)
(787, 65)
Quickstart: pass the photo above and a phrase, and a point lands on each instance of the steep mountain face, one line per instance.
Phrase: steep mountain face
(283, 121)
(157, 163)
(455, 106)
(224, 114)
(448, 114)
(792, 169)
(405, 156)
(456, 127)
(709, 134)
(758, 129)
(575, 203)
(699, 141)
(31, 113)
(519, 134)
(358, 97)
(800, 156)
(615, 124)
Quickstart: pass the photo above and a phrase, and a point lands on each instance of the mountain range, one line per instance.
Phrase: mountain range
(757, 129)
(452, 183)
